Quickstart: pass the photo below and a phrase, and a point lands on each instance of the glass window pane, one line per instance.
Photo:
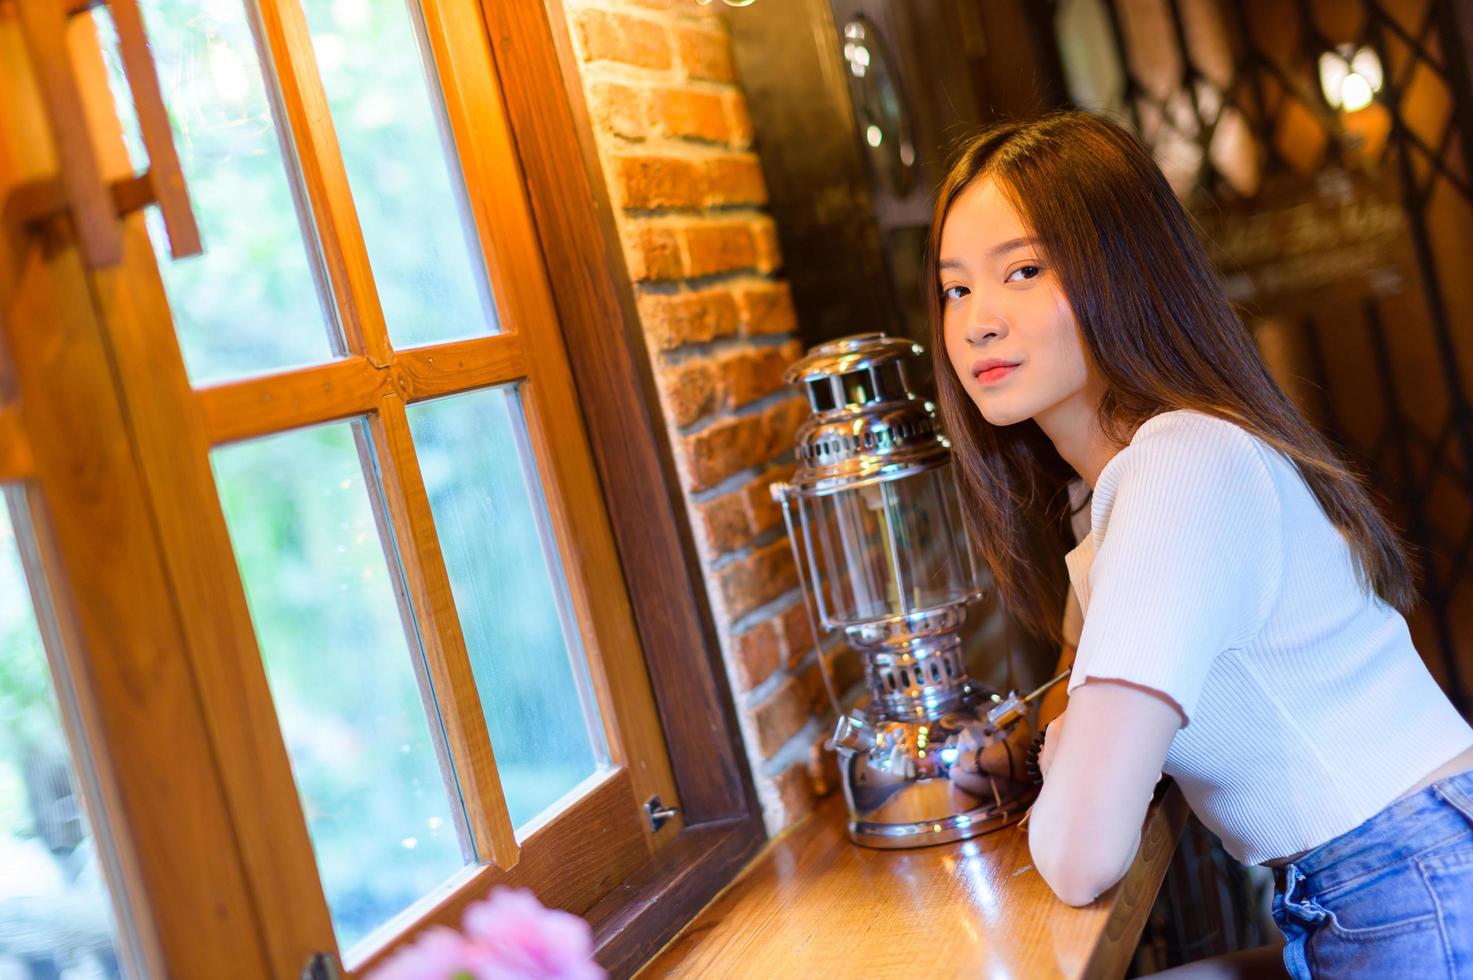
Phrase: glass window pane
(510, 593)
(56, 918)
(366, 752)
(411, 204)
(251, 303)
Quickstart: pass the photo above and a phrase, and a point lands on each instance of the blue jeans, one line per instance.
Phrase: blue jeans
(1391, 898)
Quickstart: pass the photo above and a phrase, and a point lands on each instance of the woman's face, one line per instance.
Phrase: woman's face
(1002, 303)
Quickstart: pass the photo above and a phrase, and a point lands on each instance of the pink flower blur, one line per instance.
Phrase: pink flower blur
(510, 936)
(528, 942)
(437, 953)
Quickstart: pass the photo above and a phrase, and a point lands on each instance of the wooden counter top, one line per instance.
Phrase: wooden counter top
(813, 904)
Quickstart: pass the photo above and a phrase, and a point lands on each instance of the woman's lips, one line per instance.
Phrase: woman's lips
(995, 374)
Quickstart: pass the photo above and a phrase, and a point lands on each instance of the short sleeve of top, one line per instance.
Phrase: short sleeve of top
(1187, 562)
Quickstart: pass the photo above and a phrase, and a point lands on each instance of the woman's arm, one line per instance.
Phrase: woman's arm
(1056, 698)
(1100, 775)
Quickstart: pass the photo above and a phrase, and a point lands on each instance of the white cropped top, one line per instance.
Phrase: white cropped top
(1209, 572)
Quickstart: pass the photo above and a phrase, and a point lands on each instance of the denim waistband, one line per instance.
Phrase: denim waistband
(1402, 830)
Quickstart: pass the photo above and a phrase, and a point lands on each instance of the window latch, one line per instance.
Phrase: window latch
(322, 966)
(658, 812)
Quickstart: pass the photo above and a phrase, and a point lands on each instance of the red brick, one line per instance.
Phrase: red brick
(764, 513)
(780, 717)
(739, 123)
(766, 308)
(718, 247)
(754, 656)
(795, 791)
(814, 691)
(652, 254)
(692, 390)
(618, 110)
(723, 525)
(705, 54)
(688, 114)
(844, 668)
(688, 318)
(722, 449)
(780, 426)
(647, 181)
(797, 634)
(748, 582)
(751, 375)
(764, 240)
(733, 180)
(607, 36)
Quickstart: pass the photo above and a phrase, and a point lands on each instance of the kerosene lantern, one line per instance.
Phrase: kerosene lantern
(874, 519)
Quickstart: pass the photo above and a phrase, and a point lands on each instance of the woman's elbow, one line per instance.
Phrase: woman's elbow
(1078, 874)
(1076, 885)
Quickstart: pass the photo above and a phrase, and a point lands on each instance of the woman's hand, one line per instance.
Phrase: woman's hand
(978, 763)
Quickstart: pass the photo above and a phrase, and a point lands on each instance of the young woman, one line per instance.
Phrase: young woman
(1242, 597)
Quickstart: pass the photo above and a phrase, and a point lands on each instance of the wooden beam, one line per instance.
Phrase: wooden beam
(160, 809)
(578, 515)
(303, 396)
(433, 612)
(443, 369)
(271, 403)
(15, 449)
(613, 382)
(293, 71)
(567, 862)
(43, 24)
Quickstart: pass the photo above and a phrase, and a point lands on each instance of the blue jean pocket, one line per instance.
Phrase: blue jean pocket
(1390, 924)
(1449, 879)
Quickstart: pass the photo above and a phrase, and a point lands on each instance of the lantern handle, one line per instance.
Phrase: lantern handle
(780, 493)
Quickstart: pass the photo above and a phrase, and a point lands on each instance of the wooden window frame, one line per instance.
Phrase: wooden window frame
(616, 389)
(720, 825)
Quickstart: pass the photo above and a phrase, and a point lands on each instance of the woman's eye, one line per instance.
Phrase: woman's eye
(954, 292)
(1033, 274)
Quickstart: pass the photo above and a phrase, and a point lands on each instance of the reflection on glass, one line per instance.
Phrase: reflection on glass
(251, 302)
(510, 594)
(889, 548)
(56, 919)
(365, 756)
(411, 204)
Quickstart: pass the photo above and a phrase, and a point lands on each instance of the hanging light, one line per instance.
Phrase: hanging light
(1350, 77)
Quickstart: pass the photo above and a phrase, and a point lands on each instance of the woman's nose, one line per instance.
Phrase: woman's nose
(983, 328)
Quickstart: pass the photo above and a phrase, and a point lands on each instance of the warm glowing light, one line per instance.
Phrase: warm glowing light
(1350, 77)
(873, 136)
(1355, 93)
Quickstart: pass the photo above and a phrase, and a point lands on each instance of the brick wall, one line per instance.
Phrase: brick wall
(675, 142)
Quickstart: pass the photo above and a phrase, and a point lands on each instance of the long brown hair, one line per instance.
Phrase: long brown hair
(1158, 327)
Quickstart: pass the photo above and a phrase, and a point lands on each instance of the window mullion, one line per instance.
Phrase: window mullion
(297, 90)
(439, 634)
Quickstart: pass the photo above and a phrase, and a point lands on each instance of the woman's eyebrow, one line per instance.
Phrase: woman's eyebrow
(995, 251)
(1009, 245)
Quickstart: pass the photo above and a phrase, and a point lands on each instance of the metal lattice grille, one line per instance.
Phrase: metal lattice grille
(1228, 97)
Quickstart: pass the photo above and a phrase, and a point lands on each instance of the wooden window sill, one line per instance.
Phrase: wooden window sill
(812, 903)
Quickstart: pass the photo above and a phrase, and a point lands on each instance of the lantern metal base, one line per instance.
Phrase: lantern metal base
(918, 782)
(961, 826)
